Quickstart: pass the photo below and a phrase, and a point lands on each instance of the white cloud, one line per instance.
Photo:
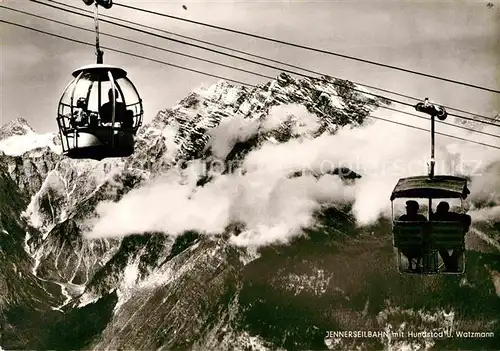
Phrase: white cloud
(263, 200)
(231, 131)
(486, 214)
(239, 129)
(304, 122)
(17, 145)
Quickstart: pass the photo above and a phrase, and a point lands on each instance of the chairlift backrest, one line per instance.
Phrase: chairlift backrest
(447, 235)
(409, 234)
(442, 234)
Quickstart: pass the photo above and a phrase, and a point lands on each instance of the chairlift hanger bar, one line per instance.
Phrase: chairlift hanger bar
(107, 5)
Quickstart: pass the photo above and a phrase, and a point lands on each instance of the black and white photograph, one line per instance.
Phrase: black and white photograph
(249, 175)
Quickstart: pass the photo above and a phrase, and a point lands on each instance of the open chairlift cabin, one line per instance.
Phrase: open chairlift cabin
(100, 110)
(427, 241)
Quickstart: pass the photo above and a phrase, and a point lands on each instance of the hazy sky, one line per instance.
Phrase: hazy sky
(453, 39)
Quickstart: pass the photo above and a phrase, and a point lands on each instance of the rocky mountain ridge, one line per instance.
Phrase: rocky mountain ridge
(152, 290)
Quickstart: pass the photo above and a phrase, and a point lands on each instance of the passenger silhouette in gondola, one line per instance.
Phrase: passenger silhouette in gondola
(106, 110)
(412, 215)
(80, 114)
(443, 214)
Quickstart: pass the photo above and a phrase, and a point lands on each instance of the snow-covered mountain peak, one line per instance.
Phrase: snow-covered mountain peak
(18, 126)
(188, 129)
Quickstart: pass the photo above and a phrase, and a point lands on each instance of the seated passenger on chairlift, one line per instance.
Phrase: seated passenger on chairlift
(412, 215)
(443, 214)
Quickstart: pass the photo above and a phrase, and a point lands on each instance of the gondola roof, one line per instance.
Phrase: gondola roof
(101, 70)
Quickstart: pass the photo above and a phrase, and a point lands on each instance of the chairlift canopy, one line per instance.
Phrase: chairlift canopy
(101, 71)
(438, 187)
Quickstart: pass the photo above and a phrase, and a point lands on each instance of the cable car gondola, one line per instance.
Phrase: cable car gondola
(426, 243)
(100, 110)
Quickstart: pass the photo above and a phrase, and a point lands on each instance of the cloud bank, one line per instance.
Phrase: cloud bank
(275, 207)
